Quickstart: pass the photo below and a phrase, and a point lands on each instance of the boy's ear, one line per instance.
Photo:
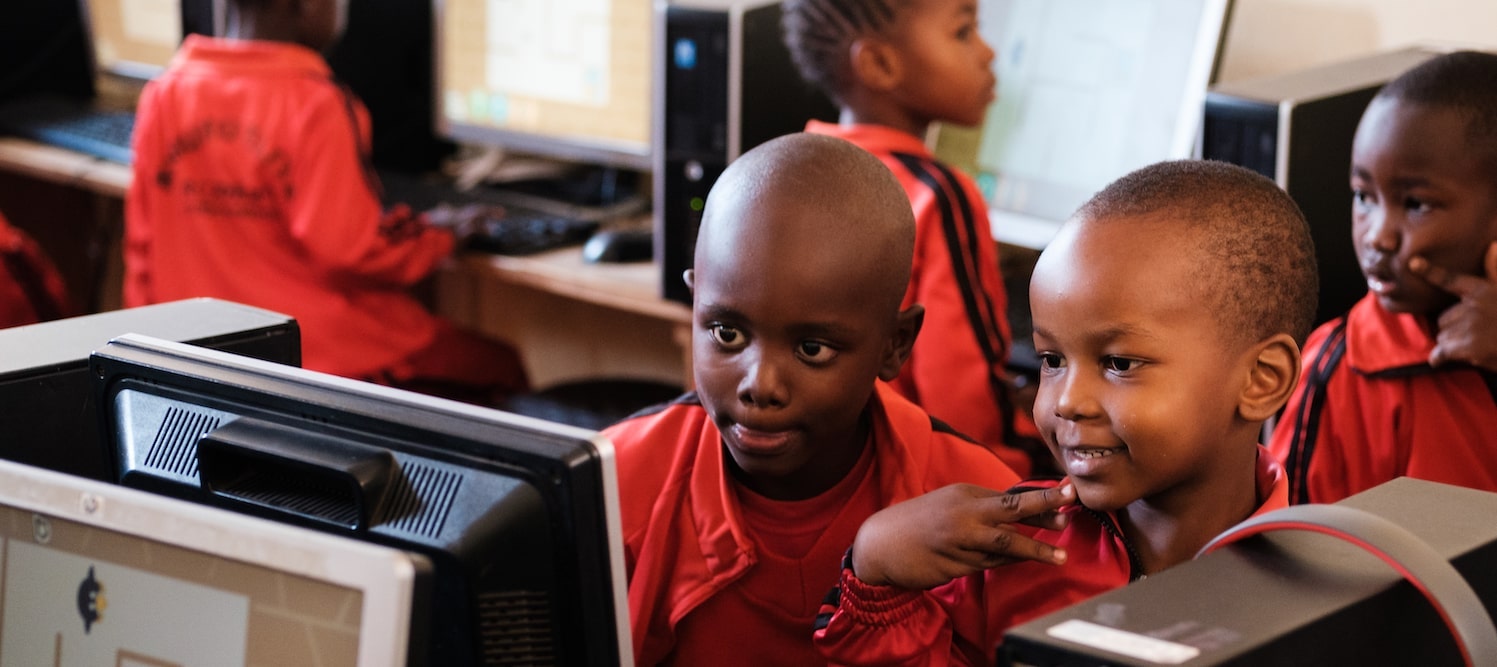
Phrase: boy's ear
(690, 278)
(1271, 379)
(875, 64)
(903, 340)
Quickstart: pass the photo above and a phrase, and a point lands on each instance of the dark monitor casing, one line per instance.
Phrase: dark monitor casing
(519, 517)
(47, 409)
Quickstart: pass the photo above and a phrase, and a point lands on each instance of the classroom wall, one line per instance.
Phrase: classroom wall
(1272, 36)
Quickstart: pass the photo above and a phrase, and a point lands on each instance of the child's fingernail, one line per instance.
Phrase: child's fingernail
(1060, 556)
(1417, 264)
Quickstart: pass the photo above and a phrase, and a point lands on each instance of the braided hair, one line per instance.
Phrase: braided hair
(820, 33)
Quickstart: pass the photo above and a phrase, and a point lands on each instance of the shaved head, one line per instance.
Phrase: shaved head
(850, 216)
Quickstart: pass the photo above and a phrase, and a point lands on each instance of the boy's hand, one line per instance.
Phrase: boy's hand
(1468, 329)
(955, 531)
(462, 221)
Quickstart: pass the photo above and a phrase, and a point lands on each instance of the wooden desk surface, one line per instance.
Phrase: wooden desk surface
(64, 167)
(632, 287)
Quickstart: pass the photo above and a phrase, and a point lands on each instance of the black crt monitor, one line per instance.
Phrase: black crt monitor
(1087, 92)
(518, 517)
(99, 574)
(563, 79)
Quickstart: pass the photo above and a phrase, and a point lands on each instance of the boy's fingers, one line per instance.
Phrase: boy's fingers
(1458, 284)
(1016, 507)
(1007, 546)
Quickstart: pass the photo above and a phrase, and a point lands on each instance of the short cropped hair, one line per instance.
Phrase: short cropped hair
(1462, 80)
(820, 33)
(1259, 270)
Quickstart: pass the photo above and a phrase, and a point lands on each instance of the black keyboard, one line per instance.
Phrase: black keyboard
(529, 232)
(71, 124)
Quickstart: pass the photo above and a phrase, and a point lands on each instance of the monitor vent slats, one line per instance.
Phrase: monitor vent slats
(175, 448)
(304, 496)
(420, 505)
(515, 628)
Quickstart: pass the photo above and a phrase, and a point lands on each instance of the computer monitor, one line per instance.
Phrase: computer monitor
(136, 39)
(98, 574)
(1087, 92)
(567, 79)
(519, 517)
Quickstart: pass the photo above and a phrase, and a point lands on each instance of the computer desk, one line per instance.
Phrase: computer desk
(570, 319)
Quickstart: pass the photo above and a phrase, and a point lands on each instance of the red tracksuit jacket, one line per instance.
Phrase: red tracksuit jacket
(962, 622)
(956, 370)
(251, 185)
(686, 541)
(1370, 408)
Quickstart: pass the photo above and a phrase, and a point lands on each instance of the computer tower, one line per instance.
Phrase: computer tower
(47, 414)
(1286, 597)
(1297, 129)
(726, 84)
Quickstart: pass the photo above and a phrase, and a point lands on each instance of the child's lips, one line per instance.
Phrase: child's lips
(1086, 460)
(757, 442)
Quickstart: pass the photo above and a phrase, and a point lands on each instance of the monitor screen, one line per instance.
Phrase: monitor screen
(135, 39)
(569, 79)
(98, 574)
(1087, 92)
(519, 517)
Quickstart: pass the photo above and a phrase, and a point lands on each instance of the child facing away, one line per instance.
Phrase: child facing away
(253, 185)
(738, 500)
(1405, 384)
(895, 67)
(1167, 316)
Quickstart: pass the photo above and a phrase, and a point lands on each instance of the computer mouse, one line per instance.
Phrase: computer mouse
(619, 245)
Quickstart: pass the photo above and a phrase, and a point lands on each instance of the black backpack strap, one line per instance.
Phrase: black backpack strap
(1307, 418)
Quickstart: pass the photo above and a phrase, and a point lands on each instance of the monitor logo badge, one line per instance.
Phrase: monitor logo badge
(91, 601)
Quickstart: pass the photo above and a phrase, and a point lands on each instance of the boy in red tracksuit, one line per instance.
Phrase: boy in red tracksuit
(896, 68)
(252, 184)
(1167, 317)
(738, 501)
(1405, 384)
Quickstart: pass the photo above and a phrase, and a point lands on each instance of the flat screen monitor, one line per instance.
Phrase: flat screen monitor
(1088, 90)
(98, 574)
(136, 39)
(518, 517)
(568, 79)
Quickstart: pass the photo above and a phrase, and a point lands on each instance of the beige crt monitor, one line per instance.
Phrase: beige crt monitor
(135, 39)
(96, 574)
(568, 79)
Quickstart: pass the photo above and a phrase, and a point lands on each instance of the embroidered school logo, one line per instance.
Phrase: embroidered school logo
(91, 600)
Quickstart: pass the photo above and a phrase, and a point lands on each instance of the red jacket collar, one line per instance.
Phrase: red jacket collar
(1377, 340)
(876, 138)
(254, 54)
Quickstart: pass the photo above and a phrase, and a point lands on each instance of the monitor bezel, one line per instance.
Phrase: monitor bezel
(591, 151)
(386, 577)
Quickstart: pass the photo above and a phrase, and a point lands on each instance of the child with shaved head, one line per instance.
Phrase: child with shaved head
(738, 500)
(1168, 315)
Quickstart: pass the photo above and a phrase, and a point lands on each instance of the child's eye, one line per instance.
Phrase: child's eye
(1416, 205)
(965, 32)
(816, 352)
(727, 337)
(1360, 198)
(1120, 364)
(1050, 361)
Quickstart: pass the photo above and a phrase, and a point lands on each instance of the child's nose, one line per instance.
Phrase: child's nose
(1381, 231)
(1073, 397)
(763, 384)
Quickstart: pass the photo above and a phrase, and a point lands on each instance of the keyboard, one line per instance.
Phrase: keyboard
(529, 232)
(71, 124)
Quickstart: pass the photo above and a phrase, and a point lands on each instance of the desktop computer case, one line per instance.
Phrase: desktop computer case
(47, 413)
(726, 83)
(1287, 597)
(1297, 129)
